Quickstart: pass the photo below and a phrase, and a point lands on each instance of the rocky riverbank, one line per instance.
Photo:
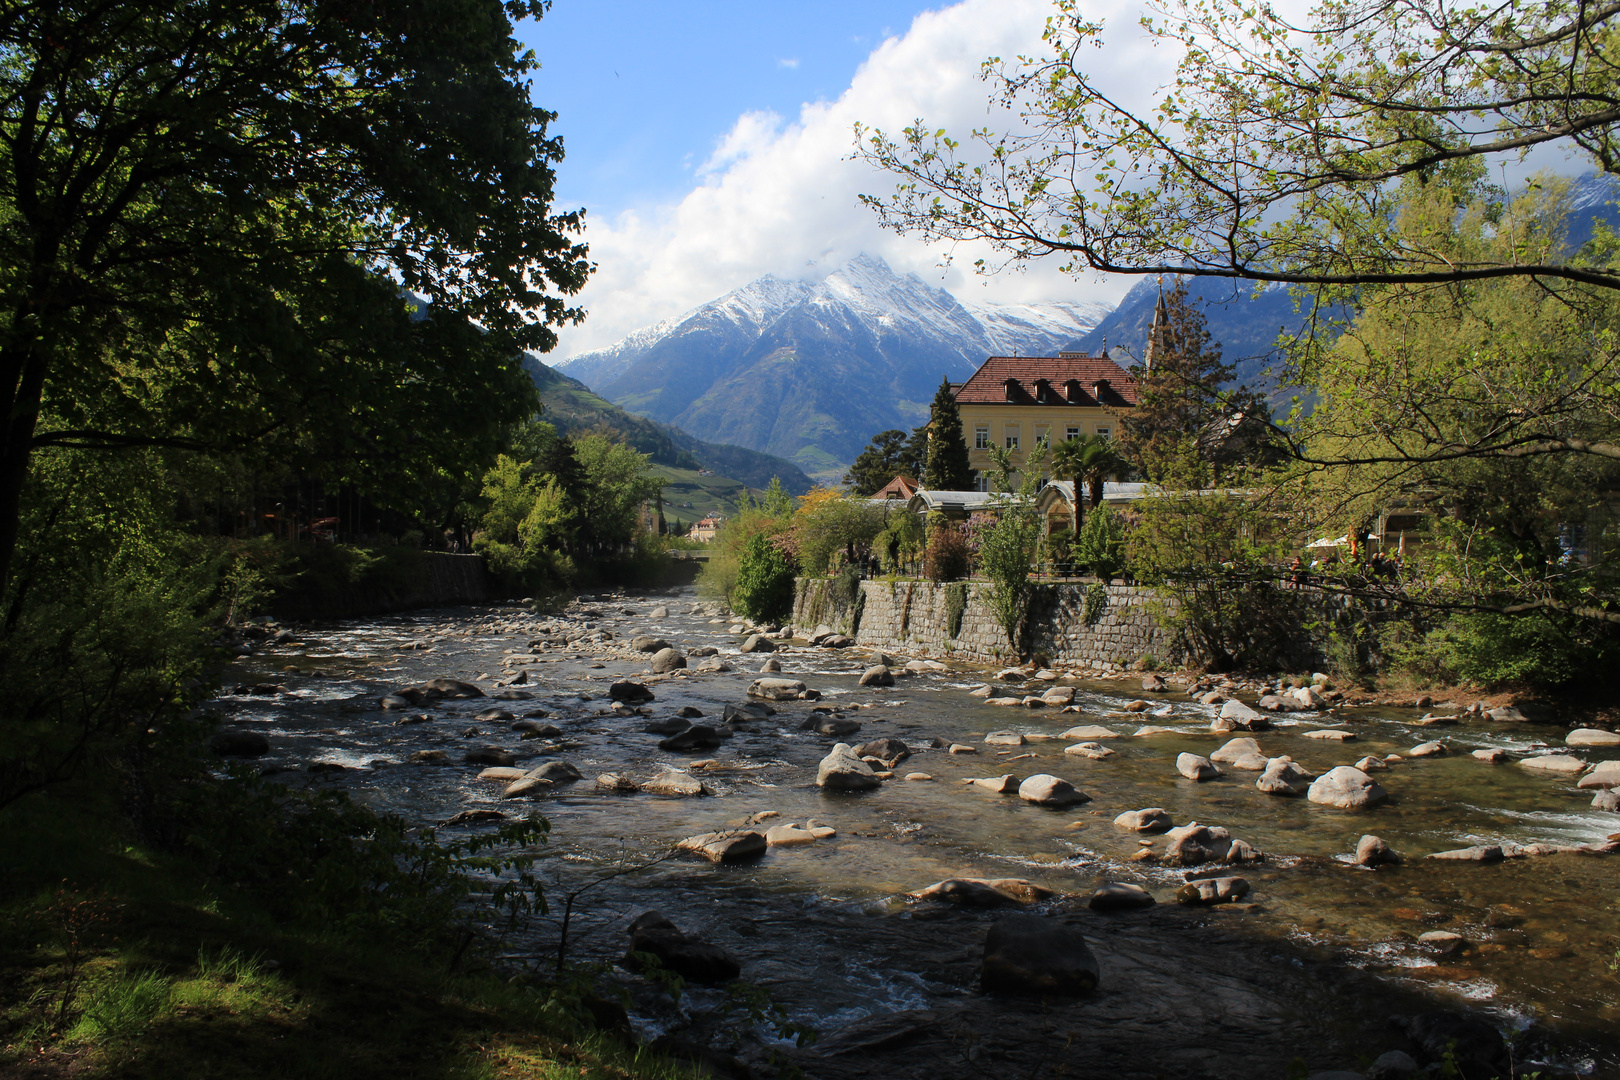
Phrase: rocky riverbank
(856, 826)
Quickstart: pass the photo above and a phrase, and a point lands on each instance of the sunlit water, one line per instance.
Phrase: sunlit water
(1543, 930)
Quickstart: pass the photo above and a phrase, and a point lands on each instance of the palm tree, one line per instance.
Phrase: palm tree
(1089, 460)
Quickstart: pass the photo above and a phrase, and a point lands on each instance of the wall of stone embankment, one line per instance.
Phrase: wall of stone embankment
(954, 620)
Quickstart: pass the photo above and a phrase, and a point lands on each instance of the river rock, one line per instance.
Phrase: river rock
(557, 772)
(1282, 776)
(1154, 729)
(1154, 684)
(537, 729)
(1091, 731)
(776, 689)
(669, 725)
(1428, 749)
(1491, 755)
(1308, 697)
(1119, 896)
(983, 892)
(631, 693)
(1004, 738)
(495, 716)
(843, 770)
(788, 835)
(1507, 714)
(1218, 890)
(770, 666)
(438, 689)
(644, 643)
(489, 755)
(1029, 955)
(1136, 706)
(1372, 763)
(693, 960)
(889, 750)
(1096, 751)
(877, 675)
(1346, 788)
(726, 847)
(1237, 716)
(961, 748)
(1235, 749)
(1592, 737)
(1012, 674)
(397, 700)
(674, 782)
(429, 757)
(1058, 696)
(1194, 767)
(1555, 764)
(1005, 784)
(1194, 844)
(1607, 800)
(1044, 789)
(757, 643)
(1473, 1046)
(527, 786)
(835, 726)
(712, 665)
(239, 744)
(468, 817)
(1481, 853)
(659, 612)
(696, 737)
(666, 660)
(617, 783)
(504, 773)
(1393, 1065)
(1605, 774)
(1331, 735)
(1373, 851)
(1154, 819)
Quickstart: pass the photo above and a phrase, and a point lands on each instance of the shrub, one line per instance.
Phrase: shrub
(948, 557)
(1100, 547)
(764, 588)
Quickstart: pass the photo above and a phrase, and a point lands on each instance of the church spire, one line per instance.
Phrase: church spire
(1161, 323)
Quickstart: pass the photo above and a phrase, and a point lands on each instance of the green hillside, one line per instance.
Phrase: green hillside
(572, 406)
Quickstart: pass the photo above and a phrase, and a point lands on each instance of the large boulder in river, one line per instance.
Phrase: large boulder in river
(1234, 749)
(696, 737)
(776, 689)
(1554, 765)
(984, 892)
(644, 643)
(1217, 890)
(1194, 844)
(888, 749)
(670, 781)
(489, 755)
(1120, 896)
(843, 770)
(1044, 789)
(1373, 851)
(557, 772)
(1154, 819)
(726, 847)
(877, 675)
(1032, 956)
(1347, 788)
(240, 744)
(666, 660)
(449, 688)
(693, 960)
(1236, 716)
(1282, 776)
(1592, 737)
(1606, 774)
(631, 693)
(757, 643)
(1194, 767)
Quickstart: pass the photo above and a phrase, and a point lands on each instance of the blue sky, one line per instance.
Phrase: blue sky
(646, 90)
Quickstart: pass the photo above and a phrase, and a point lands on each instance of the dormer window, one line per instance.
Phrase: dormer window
(1011, 387)
(1072, 391)
(1043, 391)
(1099, 389)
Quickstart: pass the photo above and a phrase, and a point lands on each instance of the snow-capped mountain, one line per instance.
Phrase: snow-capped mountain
(811, 371)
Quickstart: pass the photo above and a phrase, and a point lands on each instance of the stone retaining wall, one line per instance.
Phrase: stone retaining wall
(922, 618)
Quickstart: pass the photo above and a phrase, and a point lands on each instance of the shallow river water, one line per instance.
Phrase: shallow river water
(1308, 969)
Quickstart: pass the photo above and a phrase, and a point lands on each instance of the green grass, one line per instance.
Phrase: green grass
(120, 960)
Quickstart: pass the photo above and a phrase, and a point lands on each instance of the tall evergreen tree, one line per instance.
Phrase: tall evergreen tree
(1181, 395)
(948, 468)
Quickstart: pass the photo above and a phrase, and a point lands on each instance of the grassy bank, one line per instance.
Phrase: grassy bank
(121, 958)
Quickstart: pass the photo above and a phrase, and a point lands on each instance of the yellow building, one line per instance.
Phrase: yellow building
(1016, 401)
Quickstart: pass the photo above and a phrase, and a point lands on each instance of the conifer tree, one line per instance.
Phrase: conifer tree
(948, 468)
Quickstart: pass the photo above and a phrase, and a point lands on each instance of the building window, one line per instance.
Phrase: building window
(1011, 436)
(1102, 433)
(1071, 433)
(981, 481)
(1043, 436)
(981, 437)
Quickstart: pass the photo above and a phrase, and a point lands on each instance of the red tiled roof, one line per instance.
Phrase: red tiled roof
(989, 385)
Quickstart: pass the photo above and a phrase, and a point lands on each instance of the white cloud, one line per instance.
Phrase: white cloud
(781, 197)
(788, 62)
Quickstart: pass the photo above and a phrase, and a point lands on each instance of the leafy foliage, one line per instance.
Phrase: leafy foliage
(1100, 547)
(764, 589)
(1008, 545)
(948, 557)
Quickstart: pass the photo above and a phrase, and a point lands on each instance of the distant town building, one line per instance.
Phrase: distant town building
(900, 489)
(1018, 401)
(706, 528)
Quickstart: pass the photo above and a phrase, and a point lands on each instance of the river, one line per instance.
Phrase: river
(1304, 973)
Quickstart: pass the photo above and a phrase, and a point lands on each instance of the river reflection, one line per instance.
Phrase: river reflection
(1542, 931)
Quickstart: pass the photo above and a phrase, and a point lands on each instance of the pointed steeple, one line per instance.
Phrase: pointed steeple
(1161, 322)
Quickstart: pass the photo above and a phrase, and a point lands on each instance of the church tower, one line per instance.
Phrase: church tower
(1161, 325)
